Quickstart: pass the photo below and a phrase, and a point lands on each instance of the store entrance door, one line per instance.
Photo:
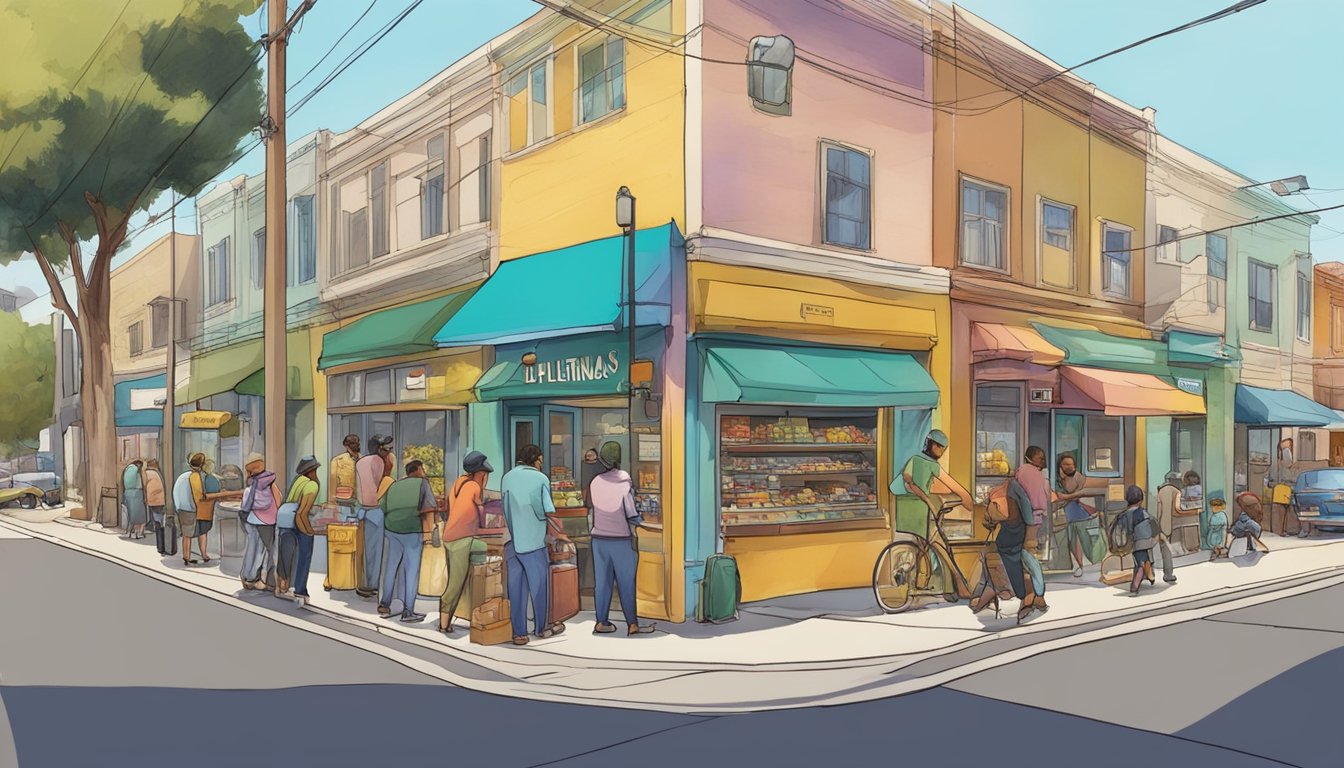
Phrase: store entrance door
(524, 429)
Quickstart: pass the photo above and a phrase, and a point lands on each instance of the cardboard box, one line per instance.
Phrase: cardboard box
(490, 623)
(487, 581)
(491, 611)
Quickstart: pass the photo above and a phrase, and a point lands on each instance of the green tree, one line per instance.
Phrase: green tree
(28, 356)
(98, 116)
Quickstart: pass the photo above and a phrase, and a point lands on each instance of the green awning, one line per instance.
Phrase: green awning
(1200, 348)
(825, 376)
(300, 383)
(405, 330)
(235, 366)
(1094, 349)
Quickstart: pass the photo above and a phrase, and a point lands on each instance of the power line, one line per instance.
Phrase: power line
(333, 47)
(1202, 233)
(357, 55)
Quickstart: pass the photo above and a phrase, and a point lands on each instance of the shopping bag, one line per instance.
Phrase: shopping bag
(1097, 548)
(433, 571)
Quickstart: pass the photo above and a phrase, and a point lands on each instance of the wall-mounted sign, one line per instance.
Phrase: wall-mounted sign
(205, 419)
(817, 313)
(148, 399)
(585, 368)
(1043, 395)
(1193, 386)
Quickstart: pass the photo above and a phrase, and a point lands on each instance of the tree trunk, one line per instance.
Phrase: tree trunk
(96, 397)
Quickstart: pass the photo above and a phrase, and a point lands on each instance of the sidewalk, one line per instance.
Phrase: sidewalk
(828, 647)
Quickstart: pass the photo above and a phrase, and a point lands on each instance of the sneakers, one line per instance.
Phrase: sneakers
(412, 618)
(1169, 579)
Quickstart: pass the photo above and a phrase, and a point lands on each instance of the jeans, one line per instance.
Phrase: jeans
(373, 545)
(286, 552)
(1164, 549)
(1033, 567)
(458, 555)
(304, 560)
(614, 560)
(1009, 544)
(528, 574)
(403, 560)
(258, 557)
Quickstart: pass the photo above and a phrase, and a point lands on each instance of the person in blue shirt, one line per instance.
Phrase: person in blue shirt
(526, 492)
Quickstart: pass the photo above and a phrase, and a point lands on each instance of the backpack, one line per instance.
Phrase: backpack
(1119, 535)
(996, 506)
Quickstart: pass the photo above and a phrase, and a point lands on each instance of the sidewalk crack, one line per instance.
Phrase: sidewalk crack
(623, 742)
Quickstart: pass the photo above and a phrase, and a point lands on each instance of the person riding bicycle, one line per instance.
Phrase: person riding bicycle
(923, 469)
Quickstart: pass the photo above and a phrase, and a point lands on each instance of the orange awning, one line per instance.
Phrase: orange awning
(995, 341)
(1132, 394)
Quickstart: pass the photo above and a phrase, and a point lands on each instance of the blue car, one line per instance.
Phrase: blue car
(1318, 498)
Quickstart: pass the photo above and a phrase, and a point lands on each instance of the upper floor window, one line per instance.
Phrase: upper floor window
(1057, 260)
(217, 273)
(1116, 259)
(530, 117)
(1303, 306)
(1168, 249)
(305, 240)
(136, 338)
(473, 189)
(1261, 279)
(984, 225)
(601, 78)
(431, 190)
(158, 324)
(378, 209)
(848, 185)
(259, 259)
(770, 74)
(1336, 328)
(1215, 246)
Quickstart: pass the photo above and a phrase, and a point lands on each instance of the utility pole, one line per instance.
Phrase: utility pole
(277, 235)
(168, 468)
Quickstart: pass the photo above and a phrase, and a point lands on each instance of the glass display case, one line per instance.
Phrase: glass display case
(998, 436)
(801, 472)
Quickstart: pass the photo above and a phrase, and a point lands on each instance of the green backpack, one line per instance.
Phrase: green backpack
(720, 591)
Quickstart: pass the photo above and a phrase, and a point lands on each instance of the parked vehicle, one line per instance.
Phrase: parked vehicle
(25, 496)
(1318, 498)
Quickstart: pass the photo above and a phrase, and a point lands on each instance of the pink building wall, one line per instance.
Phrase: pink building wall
(762, 172)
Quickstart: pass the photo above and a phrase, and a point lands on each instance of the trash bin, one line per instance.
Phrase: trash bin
(232, 537)
(109, 506)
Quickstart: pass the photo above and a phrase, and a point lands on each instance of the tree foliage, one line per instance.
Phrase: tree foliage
(27, 370)
(103, 105)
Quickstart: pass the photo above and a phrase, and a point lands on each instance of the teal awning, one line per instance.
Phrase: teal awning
(574, 290)
(133, 401)
(1281, 408)
(826, 376)
(1094, 349)
(404, 330)
(1199, 348)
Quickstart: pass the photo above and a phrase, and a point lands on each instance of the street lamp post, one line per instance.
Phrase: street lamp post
(625, 218)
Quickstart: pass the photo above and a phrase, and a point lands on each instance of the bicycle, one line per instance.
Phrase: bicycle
(912, 566)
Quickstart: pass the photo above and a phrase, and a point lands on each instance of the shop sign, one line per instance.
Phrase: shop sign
(817, 313)
(205, 419)
(1043, 395)
(584, 368)
(1193, 386)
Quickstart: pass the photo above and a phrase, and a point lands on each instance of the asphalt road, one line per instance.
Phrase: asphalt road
(100, 666)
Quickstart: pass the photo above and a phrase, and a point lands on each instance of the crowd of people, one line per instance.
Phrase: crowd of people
(399, 519)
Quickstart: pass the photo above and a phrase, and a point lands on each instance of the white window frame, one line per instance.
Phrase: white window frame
(822, 174)
(1041, 203)
(1168, 251)
(580, 118)
(212, 274)
(1251, 265)
(1304, 307)
(296, 274)
(1006, 239)
(525, 72)
(1108, 292)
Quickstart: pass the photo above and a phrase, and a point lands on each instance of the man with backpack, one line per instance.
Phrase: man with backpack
(1140, 536)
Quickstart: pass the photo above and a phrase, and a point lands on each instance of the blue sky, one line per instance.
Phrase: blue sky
(1256, 92)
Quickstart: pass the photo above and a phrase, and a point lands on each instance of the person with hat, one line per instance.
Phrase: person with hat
(370, 471)
(133, 497)
(923, 469)
(460, 532)
(303, 492)
(408, 516)
(612, 496)
(1215, 528)
(259, 511)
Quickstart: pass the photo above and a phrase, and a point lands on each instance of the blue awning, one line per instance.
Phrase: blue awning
(825, 376)
(1186, 347)
(1280, 408)
(579, 289)
(134, 401)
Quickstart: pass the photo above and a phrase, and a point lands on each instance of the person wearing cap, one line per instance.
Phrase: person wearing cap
(408, 515)
(923, 469)
(612, 499)
(459, 533)
(341, 476)
(370, 471)
(1215, 536)
(259, 512)
(304, 492)
(133, 496)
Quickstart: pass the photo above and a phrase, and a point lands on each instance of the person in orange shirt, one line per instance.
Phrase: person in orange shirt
(464, 514)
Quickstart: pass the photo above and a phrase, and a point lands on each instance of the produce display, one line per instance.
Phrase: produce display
(565, 491)
(798, 465)
(432, 456)
(791, 430)
(993, 462)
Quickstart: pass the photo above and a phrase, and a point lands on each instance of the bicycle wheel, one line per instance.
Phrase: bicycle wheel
(896, 575)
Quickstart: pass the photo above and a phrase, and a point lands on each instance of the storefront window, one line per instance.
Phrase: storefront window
(378, 387)
(1104, 445)
(804, 470)
(434, 437)
(1187, 446)
(998, 424)
(562, 458)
